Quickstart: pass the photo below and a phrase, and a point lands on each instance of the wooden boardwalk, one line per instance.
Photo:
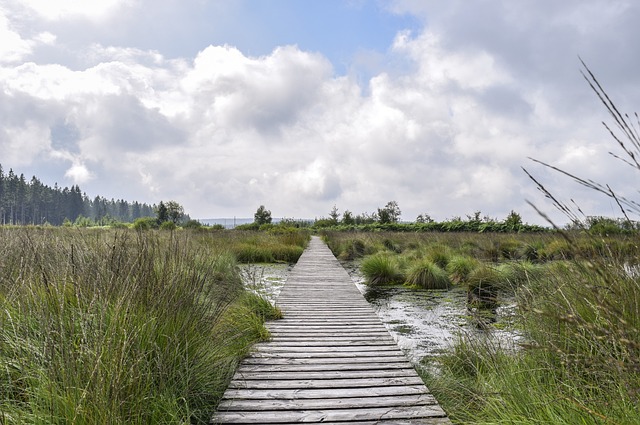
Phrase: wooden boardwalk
(330, 360)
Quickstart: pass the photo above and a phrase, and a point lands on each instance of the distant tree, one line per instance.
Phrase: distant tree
(390, 213)
(365, 218)
(262, 216)
(162, 213)
(175, 212)
(347, 218)
(513, 222)
(334, 215)
(475, 218)
(424, 218)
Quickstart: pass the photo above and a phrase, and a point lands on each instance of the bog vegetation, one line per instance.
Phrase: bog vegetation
(126, 327)
(577, 296)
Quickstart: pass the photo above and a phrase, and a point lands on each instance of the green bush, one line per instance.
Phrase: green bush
(193, 224)
(145, 223)
(168, 225)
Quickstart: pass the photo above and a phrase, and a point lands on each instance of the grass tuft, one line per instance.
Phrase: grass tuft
(427, 275)
(381, 269)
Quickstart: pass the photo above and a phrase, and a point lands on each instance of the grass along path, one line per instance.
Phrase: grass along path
(118, 326)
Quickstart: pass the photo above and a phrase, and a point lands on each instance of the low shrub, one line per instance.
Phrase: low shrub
(145, 223)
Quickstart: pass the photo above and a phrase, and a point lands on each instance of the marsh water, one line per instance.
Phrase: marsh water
(424, 323)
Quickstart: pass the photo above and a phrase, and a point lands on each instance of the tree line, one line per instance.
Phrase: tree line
(25, 201)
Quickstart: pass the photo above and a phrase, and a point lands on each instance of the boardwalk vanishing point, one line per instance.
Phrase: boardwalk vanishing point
(330, 359)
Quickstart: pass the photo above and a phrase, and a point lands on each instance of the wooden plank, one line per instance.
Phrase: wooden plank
(424, 421)
(327, 354)
(326, 383)
(271, 360)
(319, 393)
(321, 416)
(248, 367)
(325, 374)
(284, 348)
(327, 403)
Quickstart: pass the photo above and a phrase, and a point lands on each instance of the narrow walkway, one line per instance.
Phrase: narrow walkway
(330, 360)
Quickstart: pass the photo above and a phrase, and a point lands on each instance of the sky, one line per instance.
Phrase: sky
(300, 105)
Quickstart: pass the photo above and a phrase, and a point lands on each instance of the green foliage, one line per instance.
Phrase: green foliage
(248, 226)
(262, 216)
(168, 225)
(104, 326)
(579, 362)
(347, 218)
(196, 225)
(483, 284)
(427, 275)
(439, 254)
(381, 269)
(460, 267)
(175, 212)
(145, 223)
(517, 273)
(278, 244)
(392, 246)
(510, 249)
(162, 213)
(170, 211)
(389, 214)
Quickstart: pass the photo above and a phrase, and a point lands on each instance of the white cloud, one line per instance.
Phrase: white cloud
(61, 9)
(22, 145)
(13, 47)
(78, 173)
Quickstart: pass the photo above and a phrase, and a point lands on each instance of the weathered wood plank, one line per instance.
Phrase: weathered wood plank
(326, 354)
(293, 349)
(326, 383)
(325, 374)
(271, 360)
(328, 402)
(248, 367)
(319, 393)
(321, 416)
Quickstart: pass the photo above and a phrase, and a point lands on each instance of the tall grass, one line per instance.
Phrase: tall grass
(427, 275)
(580, 363)
(578, 298)
(276, 245)
(381, 269)
(118, 327)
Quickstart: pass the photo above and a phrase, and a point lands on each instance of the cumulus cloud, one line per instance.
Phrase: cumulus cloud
(13, 47)
(60, 9)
